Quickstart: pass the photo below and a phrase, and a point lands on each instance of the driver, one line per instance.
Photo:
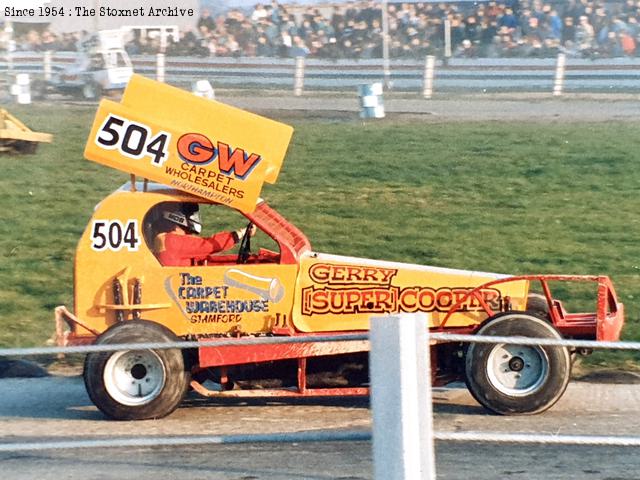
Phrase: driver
(178, 244)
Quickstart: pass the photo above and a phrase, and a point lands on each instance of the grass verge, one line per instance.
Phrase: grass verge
(513, 198)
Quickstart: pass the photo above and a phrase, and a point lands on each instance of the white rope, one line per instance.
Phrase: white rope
(295, 437)
(454, 337)
(528, 438)
(244, 341)
(319, 436)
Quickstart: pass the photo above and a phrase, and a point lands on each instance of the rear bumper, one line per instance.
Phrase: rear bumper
(604, 325)
(608, 330)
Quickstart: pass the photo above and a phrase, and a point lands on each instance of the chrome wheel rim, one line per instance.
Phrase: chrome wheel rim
(134, 377)
(517, 370)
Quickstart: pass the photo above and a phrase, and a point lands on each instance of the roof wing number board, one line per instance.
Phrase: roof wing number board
(192, 144)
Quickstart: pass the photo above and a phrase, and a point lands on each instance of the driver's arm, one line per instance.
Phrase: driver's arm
(198, 248)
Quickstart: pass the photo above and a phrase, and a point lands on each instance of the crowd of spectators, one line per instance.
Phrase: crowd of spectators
(507, 28)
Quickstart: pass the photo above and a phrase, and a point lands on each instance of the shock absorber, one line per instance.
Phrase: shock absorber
(137, 297)
(117, 299)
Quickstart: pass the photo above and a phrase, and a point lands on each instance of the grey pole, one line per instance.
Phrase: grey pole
(385, 45)
(429, 73)
(447, 38)
(558, 83)
(298, 77)
(401, 398)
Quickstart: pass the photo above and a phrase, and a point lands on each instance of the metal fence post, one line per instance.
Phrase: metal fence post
(386, 64)
(11, 47)
(47, 65)
(558, 84)
(401, 398)
(429, 71)
(298, 78)
(22, 88)
(447, 39)
(160, 67)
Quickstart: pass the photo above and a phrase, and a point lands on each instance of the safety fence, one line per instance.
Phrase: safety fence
(399, 353)
(469, 75)
(244, 341)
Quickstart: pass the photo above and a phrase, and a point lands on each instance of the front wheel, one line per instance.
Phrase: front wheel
(517, 379)
(136, 384)
(39, 89)
(91, 90)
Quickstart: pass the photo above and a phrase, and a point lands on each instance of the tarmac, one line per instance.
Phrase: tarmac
(490, 107)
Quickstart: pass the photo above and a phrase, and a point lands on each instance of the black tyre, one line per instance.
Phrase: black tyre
(91, 90)
(38, 89)
(26, 147)
(136, 384)
(517, 379)
(537, 303)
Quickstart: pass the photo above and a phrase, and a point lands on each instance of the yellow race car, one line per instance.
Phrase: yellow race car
(136, 281)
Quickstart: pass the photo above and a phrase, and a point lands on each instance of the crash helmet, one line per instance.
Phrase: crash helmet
(187, 216)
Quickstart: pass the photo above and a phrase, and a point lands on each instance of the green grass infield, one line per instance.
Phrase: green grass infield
(513, 198)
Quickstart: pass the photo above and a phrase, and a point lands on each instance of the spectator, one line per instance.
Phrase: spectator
(568, 31)
(298, 48)
(259, 13)
(508, 19)
(354, 30)
(555, 24)
(585, 35)
(206, 21)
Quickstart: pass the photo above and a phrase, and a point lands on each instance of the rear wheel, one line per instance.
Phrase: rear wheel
(517, 379)
(538, 304)
(26, 147)
(91, 90)
(136, 384)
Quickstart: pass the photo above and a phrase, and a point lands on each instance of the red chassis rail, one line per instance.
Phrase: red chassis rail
(604, 325)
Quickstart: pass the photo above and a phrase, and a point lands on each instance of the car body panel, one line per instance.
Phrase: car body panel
(314, 293)
(337, 293)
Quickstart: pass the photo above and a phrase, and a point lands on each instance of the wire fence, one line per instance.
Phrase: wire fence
(318, 436)
(247, 341)
(324, 435)
(455, 75)
(242, 341)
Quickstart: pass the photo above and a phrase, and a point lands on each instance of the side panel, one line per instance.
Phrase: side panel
(195, 300)
(226, 299)
(340, 293)
(111, 246)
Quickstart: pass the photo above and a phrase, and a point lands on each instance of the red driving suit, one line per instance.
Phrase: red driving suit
(176, 250)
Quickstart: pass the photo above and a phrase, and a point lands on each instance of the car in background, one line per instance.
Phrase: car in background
(102, 66)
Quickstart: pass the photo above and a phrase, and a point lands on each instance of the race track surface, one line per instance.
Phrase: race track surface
(57, 408)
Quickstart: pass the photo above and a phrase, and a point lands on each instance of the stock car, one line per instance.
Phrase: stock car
(101, 66)
(179, 157)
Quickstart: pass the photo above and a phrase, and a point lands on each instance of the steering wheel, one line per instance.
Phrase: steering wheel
(245, 245)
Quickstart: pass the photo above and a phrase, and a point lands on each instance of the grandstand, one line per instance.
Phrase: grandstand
(355, 30)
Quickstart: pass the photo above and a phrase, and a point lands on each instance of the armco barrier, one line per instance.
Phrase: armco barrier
(456, 75)
(398, 343)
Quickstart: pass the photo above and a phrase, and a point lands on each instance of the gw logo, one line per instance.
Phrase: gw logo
(197, 149)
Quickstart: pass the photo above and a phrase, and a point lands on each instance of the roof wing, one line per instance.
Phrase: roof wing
(196, 145)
